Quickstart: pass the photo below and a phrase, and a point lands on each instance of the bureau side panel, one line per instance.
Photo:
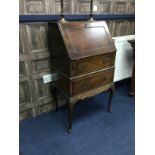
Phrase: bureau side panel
(59, 56)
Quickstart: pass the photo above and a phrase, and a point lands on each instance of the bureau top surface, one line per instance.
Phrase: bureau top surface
(84, 39)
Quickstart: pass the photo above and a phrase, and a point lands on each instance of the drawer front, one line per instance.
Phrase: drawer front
(92, 81)
(90, 64)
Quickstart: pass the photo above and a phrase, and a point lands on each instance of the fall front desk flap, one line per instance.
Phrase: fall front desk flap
(84, 39)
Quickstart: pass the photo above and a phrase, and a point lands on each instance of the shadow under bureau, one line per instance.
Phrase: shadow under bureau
(82, 56)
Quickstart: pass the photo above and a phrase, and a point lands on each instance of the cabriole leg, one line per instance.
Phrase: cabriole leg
(112, 89)
(70, 115)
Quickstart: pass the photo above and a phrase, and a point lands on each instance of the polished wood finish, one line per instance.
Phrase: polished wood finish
(91, 81)
(85, 39)
(82, 56)
(90, 64)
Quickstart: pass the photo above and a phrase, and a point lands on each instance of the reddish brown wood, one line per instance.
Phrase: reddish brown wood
(82, 56)
(85, 39)
(92, 81)
(90, 64)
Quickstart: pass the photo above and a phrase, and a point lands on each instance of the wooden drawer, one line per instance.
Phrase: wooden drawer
(90, 64)
(92, 81)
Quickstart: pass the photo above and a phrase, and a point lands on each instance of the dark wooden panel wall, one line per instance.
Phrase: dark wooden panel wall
(34, 56)
(28, 7)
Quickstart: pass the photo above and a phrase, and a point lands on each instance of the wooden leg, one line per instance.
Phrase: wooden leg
(112, 89)
(70, 115)
(132, 86)
(54, 92)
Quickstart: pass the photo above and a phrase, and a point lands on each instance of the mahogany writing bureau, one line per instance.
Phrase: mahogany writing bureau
(82, 56)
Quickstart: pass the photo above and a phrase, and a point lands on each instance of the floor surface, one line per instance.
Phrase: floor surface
(95, 131)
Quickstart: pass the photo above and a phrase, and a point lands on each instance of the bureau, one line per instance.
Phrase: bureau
(82, 58)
